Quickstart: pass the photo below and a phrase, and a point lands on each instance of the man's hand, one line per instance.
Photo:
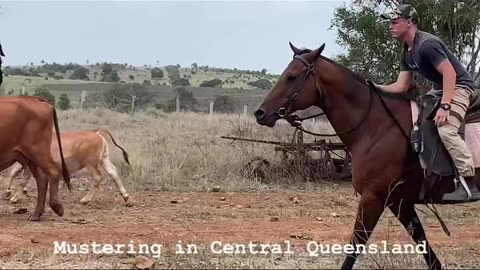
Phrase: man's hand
(441, 118)
(400, 86)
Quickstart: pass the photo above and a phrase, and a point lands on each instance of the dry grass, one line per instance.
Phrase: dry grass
(184, 151)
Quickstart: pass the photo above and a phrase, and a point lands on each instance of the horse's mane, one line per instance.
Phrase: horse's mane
(356, 75)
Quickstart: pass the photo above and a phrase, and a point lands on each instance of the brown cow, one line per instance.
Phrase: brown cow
(82, 149)
(27, 130)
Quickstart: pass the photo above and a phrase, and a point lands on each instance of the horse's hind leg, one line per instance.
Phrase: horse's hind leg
(370, 208)
(407, 215)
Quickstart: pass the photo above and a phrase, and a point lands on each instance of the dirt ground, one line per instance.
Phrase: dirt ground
(324, 216)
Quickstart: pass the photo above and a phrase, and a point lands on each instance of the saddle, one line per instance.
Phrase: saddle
(435, 159)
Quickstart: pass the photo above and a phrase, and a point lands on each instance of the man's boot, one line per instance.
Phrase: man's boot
(460, 194)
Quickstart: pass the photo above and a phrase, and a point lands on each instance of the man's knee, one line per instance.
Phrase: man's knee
(448, 133)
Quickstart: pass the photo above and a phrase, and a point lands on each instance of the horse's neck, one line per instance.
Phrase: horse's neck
(346, 103)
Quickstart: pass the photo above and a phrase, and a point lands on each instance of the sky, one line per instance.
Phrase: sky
(228, 34)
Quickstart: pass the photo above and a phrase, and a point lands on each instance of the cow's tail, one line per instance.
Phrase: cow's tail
(66, 175)
(125, 154)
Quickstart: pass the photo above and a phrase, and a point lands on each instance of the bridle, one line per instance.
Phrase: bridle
(283, 112)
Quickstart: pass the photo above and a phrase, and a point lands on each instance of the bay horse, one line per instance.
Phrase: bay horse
(375, 128)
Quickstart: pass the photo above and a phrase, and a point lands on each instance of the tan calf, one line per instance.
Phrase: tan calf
(82, 149)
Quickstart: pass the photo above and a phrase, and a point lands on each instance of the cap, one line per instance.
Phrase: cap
(402, 11)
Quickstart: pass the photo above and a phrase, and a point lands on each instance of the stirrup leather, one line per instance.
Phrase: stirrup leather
(465, 186)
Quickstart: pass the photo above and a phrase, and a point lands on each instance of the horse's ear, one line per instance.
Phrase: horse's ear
(318, 51)
(294, 49)
(321, 48)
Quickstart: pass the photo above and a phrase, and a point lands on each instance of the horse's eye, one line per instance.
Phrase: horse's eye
(291, 77)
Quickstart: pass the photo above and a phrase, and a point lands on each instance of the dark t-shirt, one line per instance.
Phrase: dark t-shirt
(427, 52)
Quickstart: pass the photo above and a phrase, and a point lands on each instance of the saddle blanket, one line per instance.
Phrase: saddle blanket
(472, 136)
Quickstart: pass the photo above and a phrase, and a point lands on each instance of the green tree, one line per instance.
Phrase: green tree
(119, 97)
(181, 82)
(371, 50)
(109, 74)
(194, 68)
(366, 39)
(261, 83)
(45, 93)
(211, 83)
(156, 73)
(186, 98)
(64, 102)
(80, 73)
(224, 104)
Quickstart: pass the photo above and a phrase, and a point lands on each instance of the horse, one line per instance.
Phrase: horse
(376, 128)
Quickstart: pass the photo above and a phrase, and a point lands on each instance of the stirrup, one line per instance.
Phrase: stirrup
(465, 186)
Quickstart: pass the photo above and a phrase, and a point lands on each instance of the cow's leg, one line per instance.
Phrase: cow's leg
(370, 208)
(54, 202)
(113, 172)
(14, 171)
(42, 185)
(22, 186)
(97, 176)
(407, 215)
(53, 171)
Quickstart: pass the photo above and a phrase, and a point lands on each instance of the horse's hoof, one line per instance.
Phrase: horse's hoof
(57, 208)
(84, 201)
(34, 217)
(125, 197)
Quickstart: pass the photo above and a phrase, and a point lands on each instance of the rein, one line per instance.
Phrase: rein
(294, 120)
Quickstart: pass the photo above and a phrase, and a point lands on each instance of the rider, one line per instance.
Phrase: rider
(1, 73)
(427, 54)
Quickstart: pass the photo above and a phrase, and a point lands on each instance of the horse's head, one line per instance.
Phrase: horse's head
(296, 89)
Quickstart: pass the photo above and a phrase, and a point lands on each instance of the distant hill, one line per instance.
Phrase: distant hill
(245, 87)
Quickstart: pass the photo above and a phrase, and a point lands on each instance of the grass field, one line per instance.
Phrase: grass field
(241, 93)
(187, 184)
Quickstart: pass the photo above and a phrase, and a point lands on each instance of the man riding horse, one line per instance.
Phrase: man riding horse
(1, 73)
(427, 54)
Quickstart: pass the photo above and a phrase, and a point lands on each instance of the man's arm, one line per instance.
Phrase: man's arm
(434, 53)
(449, 78)
(402, 84)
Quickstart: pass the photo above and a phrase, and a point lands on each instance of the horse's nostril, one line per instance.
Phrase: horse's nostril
(259, 114)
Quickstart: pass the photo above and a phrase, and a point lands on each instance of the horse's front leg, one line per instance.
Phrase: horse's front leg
(407, 215)
(370, 208)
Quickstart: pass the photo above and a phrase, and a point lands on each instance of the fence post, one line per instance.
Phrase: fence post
(82, 98)
(211, 107)
(245, 110)
(177, 102)
(132, 110)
